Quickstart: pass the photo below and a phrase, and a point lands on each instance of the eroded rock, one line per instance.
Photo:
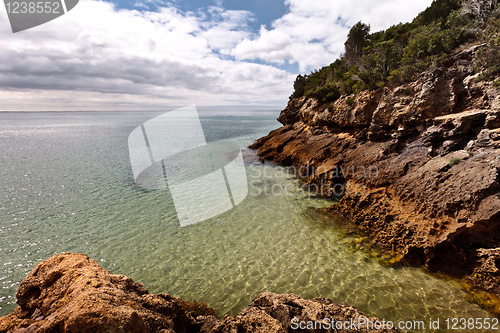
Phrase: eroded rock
(72, 293)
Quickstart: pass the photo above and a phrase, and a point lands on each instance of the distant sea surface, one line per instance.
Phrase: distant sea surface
(66, 184)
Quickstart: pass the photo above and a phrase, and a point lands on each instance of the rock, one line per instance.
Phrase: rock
(72, 293)
(479, 9)
(290, 114)
(493, 96)
(355, 111)
(435, 145)
(493, 119)
(460, 123)
(278, 312)
(487, 270)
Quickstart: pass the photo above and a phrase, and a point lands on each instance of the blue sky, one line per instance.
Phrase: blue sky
(265, 11)
(156, 54)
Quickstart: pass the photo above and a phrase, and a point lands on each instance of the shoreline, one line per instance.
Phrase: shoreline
(436, 201)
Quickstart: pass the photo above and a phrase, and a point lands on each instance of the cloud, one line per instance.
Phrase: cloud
(315, 31)
(101, 57)
(97, 53)
(272, 46)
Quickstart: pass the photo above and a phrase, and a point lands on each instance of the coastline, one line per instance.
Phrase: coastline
(435, 201)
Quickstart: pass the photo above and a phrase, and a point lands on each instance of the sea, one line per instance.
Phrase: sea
(67, 184)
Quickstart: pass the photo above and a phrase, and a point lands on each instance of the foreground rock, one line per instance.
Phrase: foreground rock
(71, 293)
(418, 164)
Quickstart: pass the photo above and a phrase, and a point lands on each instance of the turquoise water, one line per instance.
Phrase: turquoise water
(66, 185)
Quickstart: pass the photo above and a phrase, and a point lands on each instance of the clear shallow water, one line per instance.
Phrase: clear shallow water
(66, 185)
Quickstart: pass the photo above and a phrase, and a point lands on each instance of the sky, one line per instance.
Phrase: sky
(159, 55)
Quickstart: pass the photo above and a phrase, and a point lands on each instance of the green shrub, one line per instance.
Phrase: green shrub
(438, 10)
(350, 100)
(488, 60)
(298, 87)
(325, 93)
(433, 40)
(400, 53)
(454, 161)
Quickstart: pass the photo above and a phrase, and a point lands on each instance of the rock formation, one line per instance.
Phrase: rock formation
(71, 293)
(418, 165)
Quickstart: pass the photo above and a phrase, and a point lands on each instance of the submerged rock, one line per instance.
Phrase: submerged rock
(72, 293)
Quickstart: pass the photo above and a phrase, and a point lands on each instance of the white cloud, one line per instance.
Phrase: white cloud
(271, 46)
(98, 57)
(315, 31)
(132, 59)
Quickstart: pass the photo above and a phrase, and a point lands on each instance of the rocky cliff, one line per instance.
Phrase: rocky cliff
(71, 293)
(417, 165)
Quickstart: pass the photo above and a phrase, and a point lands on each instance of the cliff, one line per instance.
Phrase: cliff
(72, 293)
(416, 165)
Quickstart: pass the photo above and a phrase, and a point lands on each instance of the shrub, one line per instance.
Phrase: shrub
(397, 55)
(325, 93)
(199, 308)
(438, 10)
(454, 161)
(488, 58)
(433, 39)
(350, 100)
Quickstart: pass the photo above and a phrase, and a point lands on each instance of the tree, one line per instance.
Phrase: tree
(299, 86)
(356, 40)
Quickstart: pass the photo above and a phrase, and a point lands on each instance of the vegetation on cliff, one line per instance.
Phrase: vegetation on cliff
(398, 54)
